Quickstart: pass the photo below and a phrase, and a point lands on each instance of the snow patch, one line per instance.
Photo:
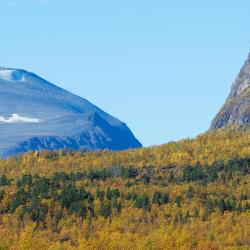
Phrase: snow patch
(11, 75)
(15, 118)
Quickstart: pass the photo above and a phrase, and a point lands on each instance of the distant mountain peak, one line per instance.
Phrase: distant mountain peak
(235, 113)
(37, 115)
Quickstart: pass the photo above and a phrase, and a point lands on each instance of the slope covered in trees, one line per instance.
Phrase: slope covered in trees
(192, 194)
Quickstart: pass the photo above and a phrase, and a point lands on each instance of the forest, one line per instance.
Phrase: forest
(190, 194)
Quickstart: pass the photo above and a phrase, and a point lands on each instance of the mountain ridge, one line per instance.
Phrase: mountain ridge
(63, 119)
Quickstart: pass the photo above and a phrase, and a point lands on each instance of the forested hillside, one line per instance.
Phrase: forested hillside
(191, 194)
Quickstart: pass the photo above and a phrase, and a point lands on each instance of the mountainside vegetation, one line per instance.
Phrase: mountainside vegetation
(191, 194)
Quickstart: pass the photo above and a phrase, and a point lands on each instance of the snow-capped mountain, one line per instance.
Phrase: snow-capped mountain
(37, 115)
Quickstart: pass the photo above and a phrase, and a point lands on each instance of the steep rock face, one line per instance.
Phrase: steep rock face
(37, 115)
(235, 113)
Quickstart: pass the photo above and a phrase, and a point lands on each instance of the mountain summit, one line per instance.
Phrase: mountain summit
(37, 115)
(235, 113)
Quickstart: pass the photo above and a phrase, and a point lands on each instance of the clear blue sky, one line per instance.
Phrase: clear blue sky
(164, 67)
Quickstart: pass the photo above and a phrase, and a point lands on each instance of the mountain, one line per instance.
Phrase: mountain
(235, 113)
(37, 115)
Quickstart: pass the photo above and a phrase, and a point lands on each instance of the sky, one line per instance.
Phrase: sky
(163, 67)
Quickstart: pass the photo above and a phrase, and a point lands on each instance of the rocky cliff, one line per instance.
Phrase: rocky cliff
(235, 113)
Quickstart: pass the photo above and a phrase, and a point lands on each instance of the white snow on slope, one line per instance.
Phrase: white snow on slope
(15, 118)
(11, 75)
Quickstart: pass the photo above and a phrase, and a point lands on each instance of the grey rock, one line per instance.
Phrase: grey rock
(235, 113)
